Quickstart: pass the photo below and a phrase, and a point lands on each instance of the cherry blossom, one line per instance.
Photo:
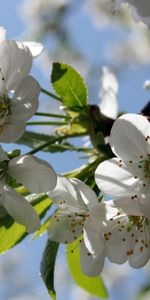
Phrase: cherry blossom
(35, 174)
(126, 177)
(122, 237)
(18, 91)
(75, 201)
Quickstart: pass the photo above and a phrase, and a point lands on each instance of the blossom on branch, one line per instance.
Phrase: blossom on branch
(122, 237)
(35, 174)
(18, 91)
(127, 177)
(75, 200)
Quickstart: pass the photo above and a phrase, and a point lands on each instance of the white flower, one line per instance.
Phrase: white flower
(35, 174)
(34, 47)
(18, 91)
(75, 200)
(108, 91)
(140, 9)
(123, 237)
(127, 177)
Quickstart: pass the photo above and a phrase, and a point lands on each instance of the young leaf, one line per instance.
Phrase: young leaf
(48, 265)
(69, 85)
(11, 233)
(93, 285)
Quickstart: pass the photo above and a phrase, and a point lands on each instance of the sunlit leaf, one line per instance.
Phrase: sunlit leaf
(69, 85)
(93, 285)
(48, 265)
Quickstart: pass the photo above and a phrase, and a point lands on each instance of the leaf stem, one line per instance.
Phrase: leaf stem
(45, 123)
(55, 139)
(44, 145)
(43, 114)
(50, 94)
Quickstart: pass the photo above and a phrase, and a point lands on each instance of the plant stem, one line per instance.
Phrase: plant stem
(46, 123)
(44, 145)
(55, 139)
(50, 94)
(43, 114)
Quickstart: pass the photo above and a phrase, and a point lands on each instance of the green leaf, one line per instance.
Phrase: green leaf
(69, 85)
(48, 265)
(11, 233)
(93, 285)
(34, 140)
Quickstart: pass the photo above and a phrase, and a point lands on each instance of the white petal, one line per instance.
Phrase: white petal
(2, 34)
(115, 178)
(35, 174)
(128, 136)
(93, 237)
(35, 48)
(61, 230)
(128, 205)
(67, 189)
(115, 247)
(11, 131)
(88, 195)
(20, 209)
(19, 61)
(25, 102)
(91, 265)
(141, 252)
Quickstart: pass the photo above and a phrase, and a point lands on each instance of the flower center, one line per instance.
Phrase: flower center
(4, 108)
(138, 221)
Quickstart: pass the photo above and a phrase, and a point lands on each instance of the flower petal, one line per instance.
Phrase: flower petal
(67, 189)
(35, 48)
(129, 137)
(141, 250)
(25, 101)
(129, 206)
(20, 209)
(115, 178)
(11, 131)
(115, 247)
(61, 230)
(17, 63)
(93, 237)
(91, 265)
(88, 195)
(34, 173)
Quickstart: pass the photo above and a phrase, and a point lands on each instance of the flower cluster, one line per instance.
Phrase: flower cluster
(19, 94)
(118, 229)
